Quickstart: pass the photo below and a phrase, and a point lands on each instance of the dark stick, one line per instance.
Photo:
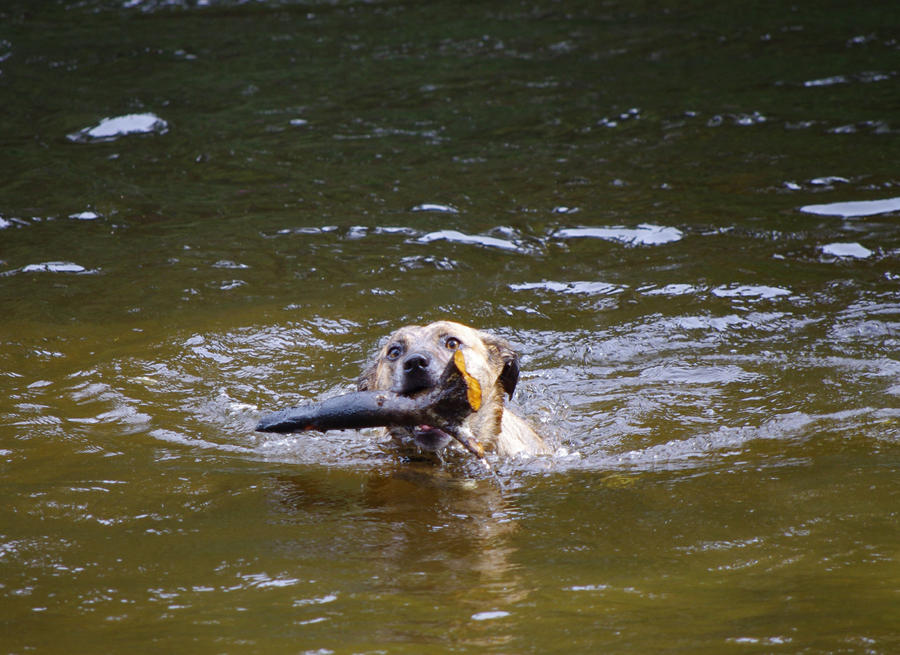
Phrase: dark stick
(456, 395)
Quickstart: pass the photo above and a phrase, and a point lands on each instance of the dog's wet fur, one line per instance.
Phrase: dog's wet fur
(411, 362)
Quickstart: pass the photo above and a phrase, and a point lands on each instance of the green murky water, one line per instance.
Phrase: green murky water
(685, 215)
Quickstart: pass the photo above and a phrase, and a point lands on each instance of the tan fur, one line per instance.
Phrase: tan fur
(489, 359)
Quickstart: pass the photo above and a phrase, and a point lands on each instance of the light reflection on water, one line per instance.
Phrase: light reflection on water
(112, 128)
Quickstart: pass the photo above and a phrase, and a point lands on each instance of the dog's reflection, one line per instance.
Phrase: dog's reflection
(420, 529)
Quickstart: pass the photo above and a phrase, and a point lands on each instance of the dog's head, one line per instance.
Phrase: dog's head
(413, 358)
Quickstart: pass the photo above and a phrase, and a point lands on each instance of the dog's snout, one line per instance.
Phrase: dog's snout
(416, 373)
(416, 362)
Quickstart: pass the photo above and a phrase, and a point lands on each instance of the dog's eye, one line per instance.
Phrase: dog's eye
(452, 343)
(394, 352)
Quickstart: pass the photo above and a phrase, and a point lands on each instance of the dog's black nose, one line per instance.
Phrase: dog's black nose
(416, 374)
(415, 363)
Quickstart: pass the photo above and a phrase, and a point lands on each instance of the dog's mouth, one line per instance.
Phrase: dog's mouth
(415, 385)
(430, 437)
(426, 436)
(413, 390)
(458, 395)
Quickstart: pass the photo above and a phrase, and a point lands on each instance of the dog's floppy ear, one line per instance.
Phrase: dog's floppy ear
(509, 376)
(502, 353)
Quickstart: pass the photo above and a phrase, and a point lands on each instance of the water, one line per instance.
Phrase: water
(684, 217)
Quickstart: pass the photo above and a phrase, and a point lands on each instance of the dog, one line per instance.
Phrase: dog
(411, 362)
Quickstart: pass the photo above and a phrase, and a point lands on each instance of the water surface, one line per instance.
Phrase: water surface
(684, 216)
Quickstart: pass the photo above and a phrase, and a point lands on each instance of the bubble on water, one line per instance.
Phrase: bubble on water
(110, 129)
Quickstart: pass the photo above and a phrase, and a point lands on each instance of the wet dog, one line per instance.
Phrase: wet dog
(411, 362)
